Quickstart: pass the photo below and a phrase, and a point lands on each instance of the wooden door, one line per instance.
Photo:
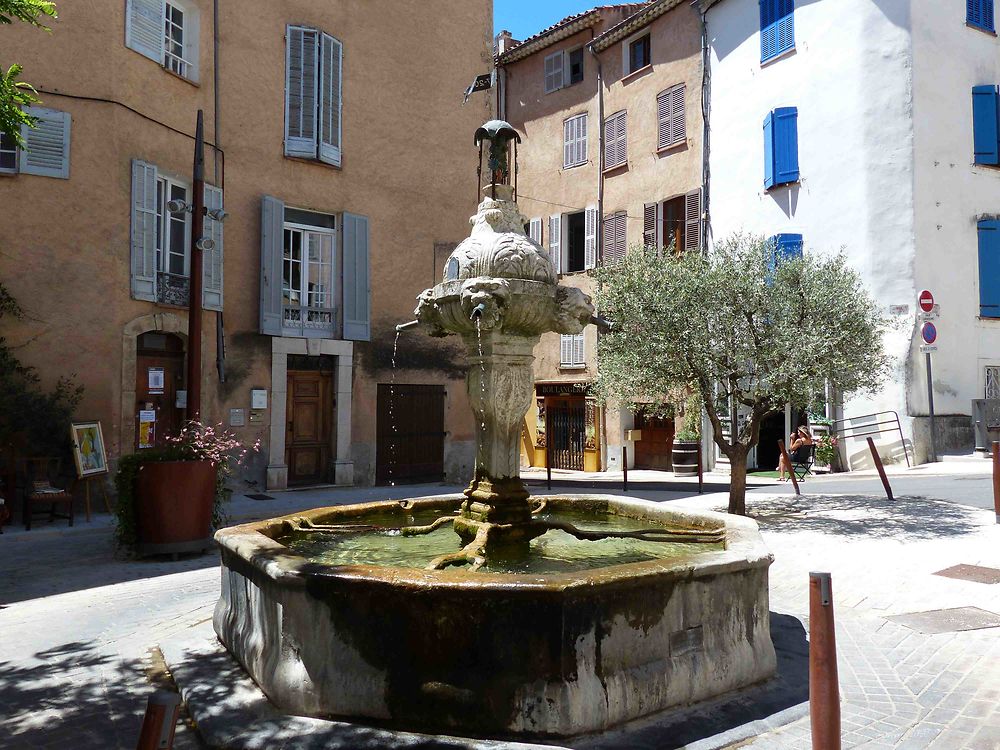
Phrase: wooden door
(310, 417)
(159, 374)
(653, 451)
(566, 431)
(410, 434)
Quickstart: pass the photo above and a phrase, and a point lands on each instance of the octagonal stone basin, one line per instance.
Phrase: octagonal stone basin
(492, 653)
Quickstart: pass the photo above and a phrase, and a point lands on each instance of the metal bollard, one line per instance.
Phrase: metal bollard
(996, 478)
(877, 459)
(701, 472)
(824, 685)
(160, 721)
(791, 469)
(624, 468)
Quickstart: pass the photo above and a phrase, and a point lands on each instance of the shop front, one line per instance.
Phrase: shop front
(566, 429)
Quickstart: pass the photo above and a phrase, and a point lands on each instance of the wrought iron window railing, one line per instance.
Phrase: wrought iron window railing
(172, 289)
(308, 320)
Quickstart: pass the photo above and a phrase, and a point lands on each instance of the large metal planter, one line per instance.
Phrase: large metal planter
(174, 502)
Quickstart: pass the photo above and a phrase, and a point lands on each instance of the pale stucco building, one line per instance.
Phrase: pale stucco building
(340, 149)
(609, 104)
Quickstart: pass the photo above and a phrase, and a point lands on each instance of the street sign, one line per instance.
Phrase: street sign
(926, 301)
(928, 332)
(924, 348)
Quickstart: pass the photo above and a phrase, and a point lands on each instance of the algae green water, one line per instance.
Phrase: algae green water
(553, 552)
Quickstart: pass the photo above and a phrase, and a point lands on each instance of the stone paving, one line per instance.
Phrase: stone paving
(77, 627)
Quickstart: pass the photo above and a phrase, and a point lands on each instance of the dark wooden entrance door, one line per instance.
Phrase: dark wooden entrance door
(653, 451)
(410, 434)
(310, 418)
(566, 431)
(159, 374)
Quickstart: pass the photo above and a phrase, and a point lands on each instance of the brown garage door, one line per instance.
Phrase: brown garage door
(410, 439)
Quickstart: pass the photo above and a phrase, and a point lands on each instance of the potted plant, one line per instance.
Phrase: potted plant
(821, 428)
(171, 498)
(687, 439)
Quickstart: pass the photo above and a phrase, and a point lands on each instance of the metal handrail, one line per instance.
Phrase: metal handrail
(877, 415)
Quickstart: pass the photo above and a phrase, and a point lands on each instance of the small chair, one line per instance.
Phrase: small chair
(803, 460)
(39, 490)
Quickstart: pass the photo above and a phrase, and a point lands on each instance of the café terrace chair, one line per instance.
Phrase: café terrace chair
(40, 475)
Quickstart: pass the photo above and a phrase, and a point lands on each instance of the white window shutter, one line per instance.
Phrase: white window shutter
(144, 21)
(357, 291)
(211, 292)
(568, 130)
(649, 225)
(579, 355)
(46, 151)
(330, 100)
(621, 240)
(565, 349)
(590, 238)
(272, 254)
(143, 240)
(555, 242)
(554, 72)
(581, 155)
(535, 230)
(621, 135)
(301, 84)
(692, 220)
(615, 146)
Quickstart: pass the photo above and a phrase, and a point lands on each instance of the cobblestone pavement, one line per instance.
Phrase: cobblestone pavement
(77, 626)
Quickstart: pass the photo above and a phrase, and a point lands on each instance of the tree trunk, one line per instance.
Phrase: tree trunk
(738, 482)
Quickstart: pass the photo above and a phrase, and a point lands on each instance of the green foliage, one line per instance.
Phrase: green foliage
(33, 421)
(686, 436)
(16, 94)
(737, 329)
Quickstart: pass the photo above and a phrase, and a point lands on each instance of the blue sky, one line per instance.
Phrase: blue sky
(526, 17)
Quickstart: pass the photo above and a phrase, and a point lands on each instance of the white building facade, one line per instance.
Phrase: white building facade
(849, 125)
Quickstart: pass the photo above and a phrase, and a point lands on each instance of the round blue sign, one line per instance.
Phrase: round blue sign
(928, 332)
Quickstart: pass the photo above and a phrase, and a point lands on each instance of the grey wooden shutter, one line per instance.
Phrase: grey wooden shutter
(590, 238)
(211, 294)
(621, 241)
(144, 27)
(554, 75)
(143, 241)
(678, 126)
(46, 150)
(272, 255)
(301, 83)
(581, 139)
(357, 292)
(568, 131)
(330, 100)
(649, 225)
(615, 145)
(555, 242)
(692, 220)
(535, 230)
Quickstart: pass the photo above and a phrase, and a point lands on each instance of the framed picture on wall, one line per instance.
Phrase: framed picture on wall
(88, 449)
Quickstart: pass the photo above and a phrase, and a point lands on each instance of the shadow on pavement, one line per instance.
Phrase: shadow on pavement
(538, 486)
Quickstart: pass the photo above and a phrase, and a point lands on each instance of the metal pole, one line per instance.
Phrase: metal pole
(788, 463)
(195, 285)
(881, 469)
(701, 473)
(824, 685)
(930, 405)
(996, 479)
(159, 722)
(548, 457)
(625, 468)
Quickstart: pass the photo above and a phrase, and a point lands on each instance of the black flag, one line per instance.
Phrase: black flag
(481, 83)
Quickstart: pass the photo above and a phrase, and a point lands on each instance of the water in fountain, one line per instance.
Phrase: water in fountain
(392, 413)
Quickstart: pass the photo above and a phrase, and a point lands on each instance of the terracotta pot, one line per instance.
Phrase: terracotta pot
(174, 501)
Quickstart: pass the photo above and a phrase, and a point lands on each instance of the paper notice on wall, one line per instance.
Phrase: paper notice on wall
(147, 428)
(154, 380)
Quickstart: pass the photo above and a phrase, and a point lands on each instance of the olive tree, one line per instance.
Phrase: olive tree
(742, 326)
(16, 94)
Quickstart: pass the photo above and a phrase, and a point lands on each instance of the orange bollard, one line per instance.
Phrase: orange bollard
(996, 478)
(824, 685)
(160, 721)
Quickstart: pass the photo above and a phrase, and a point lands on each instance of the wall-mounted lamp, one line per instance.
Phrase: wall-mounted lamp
(206, 244)
(177, 206)
(216, 214)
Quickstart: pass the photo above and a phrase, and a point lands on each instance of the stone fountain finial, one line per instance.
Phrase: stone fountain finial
(499, 291)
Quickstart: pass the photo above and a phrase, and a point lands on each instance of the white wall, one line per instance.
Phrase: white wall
(850, 76)
(952, 194)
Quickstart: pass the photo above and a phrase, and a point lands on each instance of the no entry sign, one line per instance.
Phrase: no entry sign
(926, 301)
(928, 332)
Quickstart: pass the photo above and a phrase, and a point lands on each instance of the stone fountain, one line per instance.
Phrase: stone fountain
(476, 635)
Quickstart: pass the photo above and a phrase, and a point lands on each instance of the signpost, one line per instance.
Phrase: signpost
(928, 334)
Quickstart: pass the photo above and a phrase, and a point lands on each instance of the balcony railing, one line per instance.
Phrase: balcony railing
(319, 322)
(172, 289)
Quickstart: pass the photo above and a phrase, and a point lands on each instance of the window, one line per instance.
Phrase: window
(575, 141)
(985, 125)
(781, 147)
(615, 141)
(571, 351)
(164, 31)
(161, 241)
(989, 269)
(979, 13)
(46, 151)
(992, 382)
(777, 28)
(563, 68)
(307, 278)
(676, 221)
(637, 54)
(313, 99)
(672, 129)
(573, 240)
(614, 239)
(8, 153)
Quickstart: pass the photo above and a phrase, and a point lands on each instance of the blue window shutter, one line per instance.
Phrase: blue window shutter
(989, 269)
(985, 129)
(988, 14)
(788, 246)
(786, 145)
(272, 254)
(768, 29)
(972, 13)
(357, 291)
(785, 26)
(980, 13)
(769, 150)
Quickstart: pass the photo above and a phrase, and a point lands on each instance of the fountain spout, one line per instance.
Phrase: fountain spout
(603, 324)
(407, 326)
(478, 311)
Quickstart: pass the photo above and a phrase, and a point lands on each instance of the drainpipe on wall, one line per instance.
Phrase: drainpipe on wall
(600, 217)
(220, 329)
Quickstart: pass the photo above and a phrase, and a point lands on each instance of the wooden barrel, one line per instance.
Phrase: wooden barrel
(685, 458)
